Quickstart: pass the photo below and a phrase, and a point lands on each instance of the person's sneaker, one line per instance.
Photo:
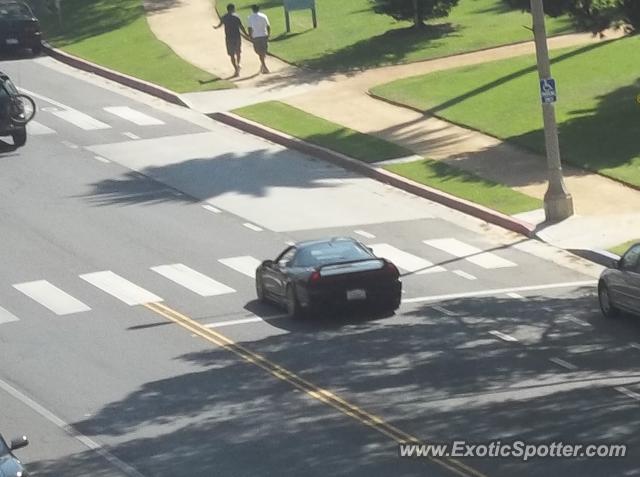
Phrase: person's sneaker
(265, 70)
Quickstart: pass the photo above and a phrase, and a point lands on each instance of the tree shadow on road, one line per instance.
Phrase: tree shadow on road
(438, 377)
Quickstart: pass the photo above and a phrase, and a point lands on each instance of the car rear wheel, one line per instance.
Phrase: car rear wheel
(19, 137)
(292, 304)
(606, 305)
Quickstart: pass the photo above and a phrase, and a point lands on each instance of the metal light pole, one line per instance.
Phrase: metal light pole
(558, 204)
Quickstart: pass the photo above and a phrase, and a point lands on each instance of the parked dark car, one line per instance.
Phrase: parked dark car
(325, 274)
(619, 286)
(16, 110)
(10, 465)
(19, 28)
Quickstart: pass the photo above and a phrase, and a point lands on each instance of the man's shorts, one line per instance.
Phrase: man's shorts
(234, 46)
(261, 45)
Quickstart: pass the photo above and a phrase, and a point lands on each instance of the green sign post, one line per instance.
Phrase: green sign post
(291, 5)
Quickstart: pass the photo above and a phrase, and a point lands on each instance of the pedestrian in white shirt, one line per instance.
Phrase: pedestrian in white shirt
(260, 29)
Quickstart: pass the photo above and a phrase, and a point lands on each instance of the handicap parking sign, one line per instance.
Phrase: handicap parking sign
(548, 90)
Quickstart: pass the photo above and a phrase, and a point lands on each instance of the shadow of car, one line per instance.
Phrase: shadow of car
(619, 285)
(19, 28)
(10, 465)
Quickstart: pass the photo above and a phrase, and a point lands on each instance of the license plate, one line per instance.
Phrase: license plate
(12, 41)
(358, 294)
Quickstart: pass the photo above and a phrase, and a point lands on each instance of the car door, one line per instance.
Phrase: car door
(626, 283)
(275, 274)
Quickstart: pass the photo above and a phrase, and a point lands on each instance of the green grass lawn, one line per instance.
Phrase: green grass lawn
(622, 248)
(115, 34)
(597, 110)
(371, 149)
(350, 35)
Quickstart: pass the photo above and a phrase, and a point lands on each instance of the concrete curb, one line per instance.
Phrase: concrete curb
(378, 174)
(126, 80)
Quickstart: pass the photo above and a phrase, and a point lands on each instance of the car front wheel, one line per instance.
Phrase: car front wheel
(606, 305)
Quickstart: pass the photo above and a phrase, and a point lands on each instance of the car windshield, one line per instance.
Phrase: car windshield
(329, 253)
(14, 10)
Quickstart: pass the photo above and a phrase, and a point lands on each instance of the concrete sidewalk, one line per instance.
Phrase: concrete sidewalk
(344, 99)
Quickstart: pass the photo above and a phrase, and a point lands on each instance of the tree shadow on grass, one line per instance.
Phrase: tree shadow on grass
(390, 47)
(434, 376)
(82, 19)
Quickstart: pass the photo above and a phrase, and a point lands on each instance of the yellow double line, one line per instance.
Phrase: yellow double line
(316, 392)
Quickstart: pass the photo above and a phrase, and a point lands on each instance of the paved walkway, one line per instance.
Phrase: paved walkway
(186, 26)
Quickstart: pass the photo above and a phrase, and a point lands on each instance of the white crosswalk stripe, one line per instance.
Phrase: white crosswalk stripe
(470, 253)
(6, 316)
(120, 288)
(34, 128)
(81, 120)
(246, 264)
(193, 280)
(51, 297)
(405, 260)
(133, 116)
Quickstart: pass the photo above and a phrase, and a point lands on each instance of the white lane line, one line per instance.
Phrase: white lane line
(246, 264)
(577, 321)
(120, 288)
(628, 392)
(503, 336)
(404, 260)
(70, 145)
(515, 296)
(102, 159)
(128, 470)
(133, 116)
(211, 208)
(253, 227)
(563, 363)
(131, 135)
(500, 291)
(365, 234)
(51, 297)
(635, 345)
(44, 98)
(242, 321)
(464, 274)
(34, 128)
(193, 280)
(6, 316)
(470, 253)
(81, 120)
(442, 309)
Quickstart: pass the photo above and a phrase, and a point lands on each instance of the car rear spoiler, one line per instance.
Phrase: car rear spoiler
(351, 266)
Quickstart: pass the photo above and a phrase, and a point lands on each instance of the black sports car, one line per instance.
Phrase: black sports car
(19, 28)
(329, 273)
(9, 463)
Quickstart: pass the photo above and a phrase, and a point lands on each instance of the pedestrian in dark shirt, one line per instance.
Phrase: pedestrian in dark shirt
(232, 28)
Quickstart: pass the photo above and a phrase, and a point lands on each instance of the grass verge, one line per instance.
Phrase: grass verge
(370, 149)
(115, 34)
(597, 109)
(622, 248)
(351, 35)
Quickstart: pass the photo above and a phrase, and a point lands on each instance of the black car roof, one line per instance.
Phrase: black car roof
(310, 243)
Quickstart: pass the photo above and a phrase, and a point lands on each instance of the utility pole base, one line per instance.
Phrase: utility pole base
(558, 207)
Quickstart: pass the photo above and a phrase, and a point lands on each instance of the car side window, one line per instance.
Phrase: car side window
(630, 261)
(286, 257)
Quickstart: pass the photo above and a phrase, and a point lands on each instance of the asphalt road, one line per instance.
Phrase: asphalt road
(132, 344)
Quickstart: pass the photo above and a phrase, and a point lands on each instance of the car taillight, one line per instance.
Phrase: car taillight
(391, 269)
(315, 277)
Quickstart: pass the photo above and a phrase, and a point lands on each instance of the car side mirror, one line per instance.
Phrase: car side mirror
(267, 263)
(615, 264)
(19, 443)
